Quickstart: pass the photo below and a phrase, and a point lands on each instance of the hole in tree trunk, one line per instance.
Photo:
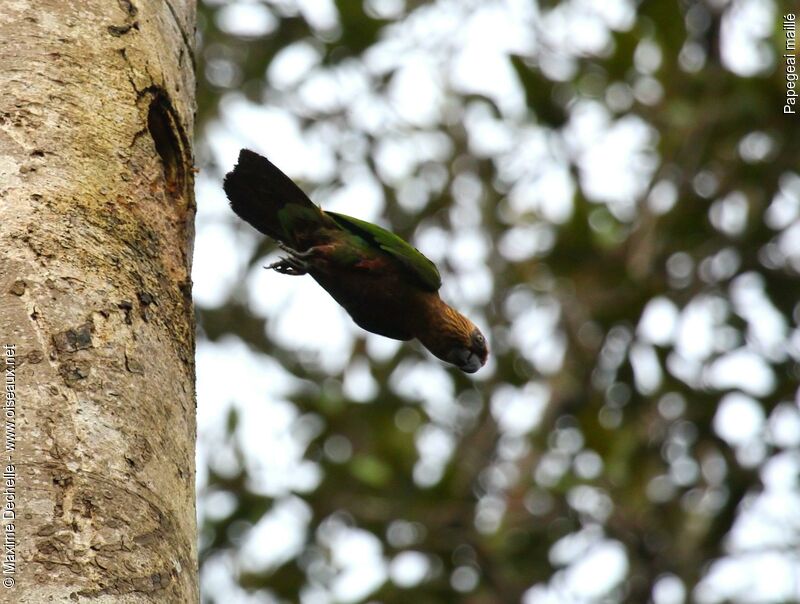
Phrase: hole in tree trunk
(163, 126)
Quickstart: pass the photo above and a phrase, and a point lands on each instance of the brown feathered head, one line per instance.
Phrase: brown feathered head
(455, 339)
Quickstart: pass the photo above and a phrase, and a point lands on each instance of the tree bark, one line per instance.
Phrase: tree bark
(96, 219)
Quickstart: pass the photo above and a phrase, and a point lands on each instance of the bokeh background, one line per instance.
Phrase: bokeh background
(611, 191)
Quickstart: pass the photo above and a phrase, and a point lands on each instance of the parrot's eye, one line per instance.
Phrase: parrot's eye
(478, 345)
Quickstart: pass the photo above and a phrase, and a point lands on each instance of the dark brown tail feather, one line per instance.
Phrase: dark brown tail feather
(257, 190)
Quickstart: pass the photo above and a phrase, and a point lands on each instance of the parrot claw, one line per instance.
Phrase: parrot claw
(293, 264)
(289, 266)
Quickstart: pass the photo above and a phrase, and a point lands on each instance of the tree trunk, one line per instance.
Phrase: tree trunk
(96, 215)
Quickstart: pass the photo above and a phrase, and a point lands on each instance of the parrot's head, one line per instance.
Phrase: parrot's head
(470, 354)
(455, 339)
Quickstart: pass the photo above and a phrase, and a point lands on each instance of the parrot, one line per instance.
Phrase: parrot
(387, 286)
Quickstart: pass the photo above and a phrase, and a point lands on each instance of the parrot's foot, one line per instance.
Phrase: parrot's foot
(299, 263)
(289, 266)
(295, 263)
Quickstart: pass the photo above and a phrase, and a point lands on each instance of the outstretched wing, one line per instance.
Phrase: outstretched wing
(416, 264)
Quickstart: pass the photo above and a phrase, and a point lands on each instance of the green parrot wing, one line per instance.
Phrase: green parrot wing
(420, 268)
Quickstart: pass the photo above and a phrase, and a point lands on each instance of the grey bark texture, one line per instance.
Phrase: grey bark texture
(96, 219)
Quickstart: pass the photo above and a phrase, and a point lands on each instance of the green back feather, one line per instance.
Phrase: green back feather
(418, 266)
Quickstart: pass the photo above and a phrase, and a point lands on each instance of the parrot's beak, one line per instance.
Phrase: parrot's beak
(466, 360)
(472, 364)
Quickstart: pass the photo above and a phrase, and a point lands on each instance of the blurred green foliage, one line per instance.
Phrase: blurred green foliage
(629, 452)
